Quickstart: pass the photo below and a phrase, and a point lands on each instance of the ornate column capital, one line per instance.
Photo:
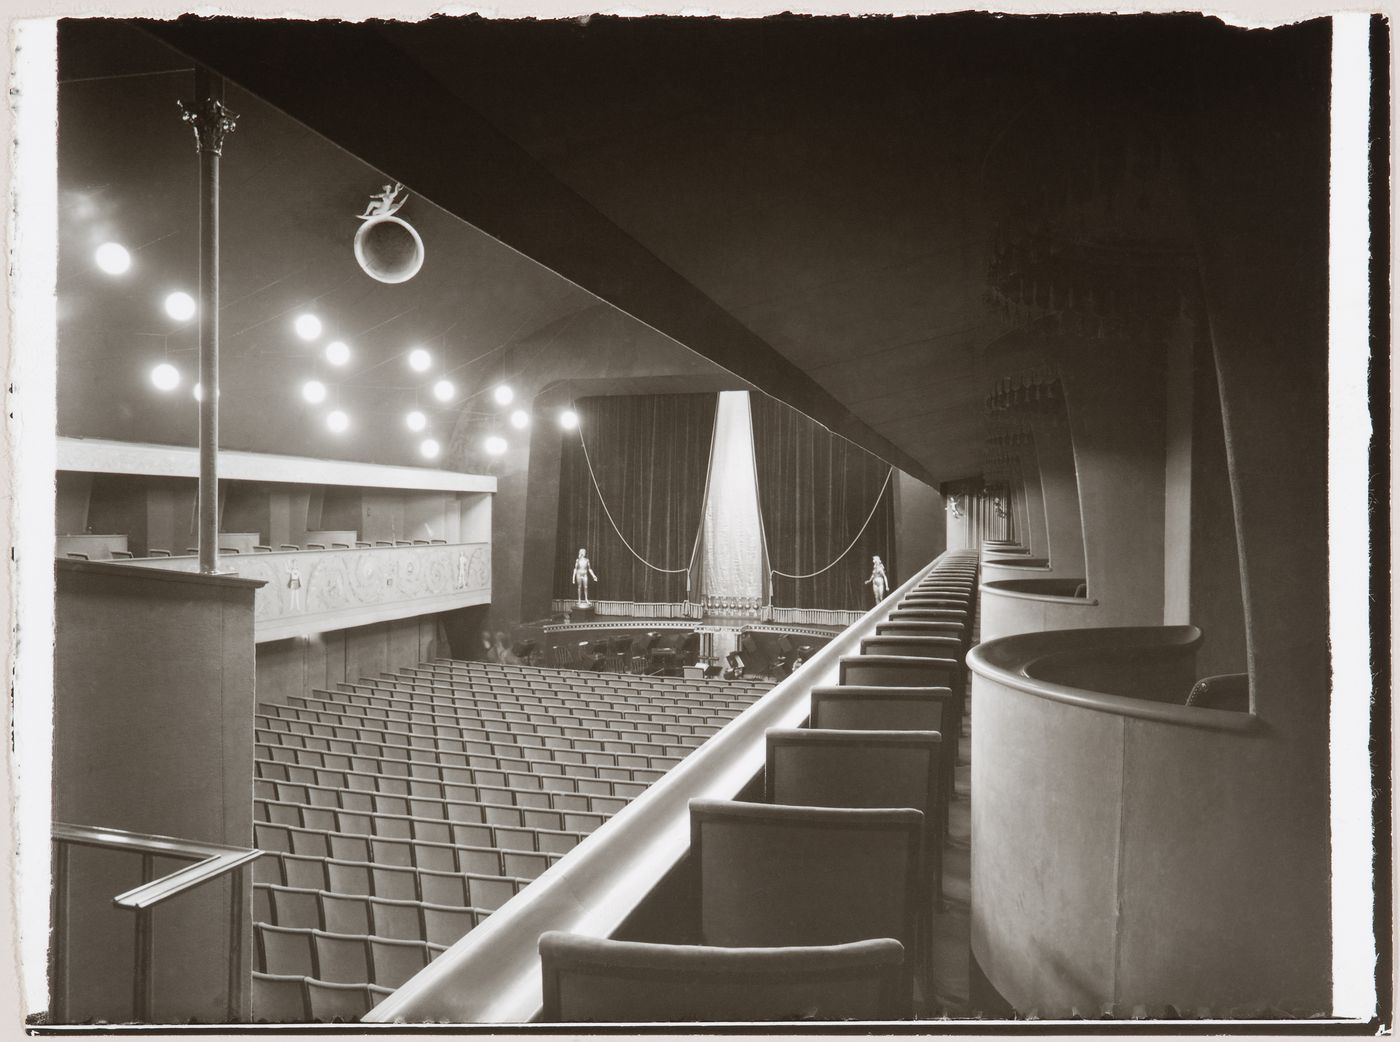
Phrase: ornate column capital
(211, 123)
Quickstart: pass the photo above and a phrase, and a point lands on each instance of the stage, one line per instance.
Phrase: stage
(683, 646)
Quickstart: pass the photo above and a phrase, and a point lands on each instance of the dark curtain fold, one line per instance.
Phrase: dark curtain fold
(815, 490)
(650, 455)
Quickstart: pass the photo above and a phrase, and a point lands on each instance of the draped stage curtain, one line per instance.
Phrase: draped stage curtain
(650, 455)
(816, 490)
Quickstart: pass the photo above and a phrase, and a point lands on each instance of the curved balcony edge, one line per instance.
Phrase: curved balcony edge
(1000, 588)
(1008, 660)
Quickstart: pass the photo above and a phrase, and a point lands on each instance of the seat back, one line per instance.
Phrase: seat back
(587, 979)
(901, 671)
(278, 999)
(856, 768)
(931, 646)
(855, 708)
(928, 615)
(771, 876)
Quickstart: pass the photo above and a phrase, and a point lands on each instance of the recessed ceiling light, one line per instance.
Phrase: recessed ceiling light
(416, 420)
(314, 391)
(520, 419)
(429, 448)
(443, 390)
(165, 377)
(307, 325)
(504, 394)
(495, 445)
(337, 421)
(113, 258)
(337, 353)
(419, 360)
(180, 306)
(568, 419)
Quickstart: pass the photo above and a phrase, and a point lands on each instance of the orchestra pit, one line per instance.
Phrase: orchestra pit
(684, 520)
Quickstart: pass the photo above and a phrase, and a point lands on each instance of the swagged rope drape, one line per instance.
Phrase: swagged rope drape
(649, 456)
(815, 492)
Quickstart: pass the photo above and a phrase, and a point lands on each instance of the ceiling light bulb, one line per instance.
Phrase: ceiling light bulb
(504, 395)
(520, 419)
(568, 419)
(419, 360)
(337, 421)
(165, 377)
(180, 306)
(308, 326)
(495, 445)
(416, 420)
(337, 353)
(429, 448)
(113, 258)
(314, 391)
(443, 390)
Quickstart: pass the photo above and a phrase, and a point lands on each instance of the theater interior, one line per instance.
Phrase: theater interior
(789, 519)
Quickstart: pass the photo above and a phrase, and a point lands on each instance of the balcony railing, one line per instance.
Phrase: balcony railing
(310, 591)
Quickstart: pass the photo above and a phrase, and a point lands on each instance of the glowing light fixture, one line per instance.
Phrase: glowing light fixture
(419, 360)
(199, 392)
(495, 445)
(568, 419)
(337, 421)
(307, 325)
(443, 390)
(180, 306)
(429, 448)
(314, 391)
(165, 377)
(416, 420)
(113, 258)
(504, 394)
(520, 419)
(337, 353)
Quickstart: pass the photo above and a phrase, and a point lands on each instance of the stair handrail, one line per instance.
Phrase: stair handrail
(210, 861)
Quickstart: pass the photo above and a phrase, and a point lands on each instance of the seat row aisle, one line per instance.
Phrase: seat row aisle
(819, 902)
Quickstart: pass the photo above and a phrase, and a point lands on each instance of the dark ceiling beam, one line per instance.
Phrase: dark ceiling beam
(350, 84)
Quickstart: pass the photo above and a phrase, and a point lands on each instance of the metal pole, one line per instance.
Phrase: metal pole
(143, 971)
(237, 927)
(211, 123)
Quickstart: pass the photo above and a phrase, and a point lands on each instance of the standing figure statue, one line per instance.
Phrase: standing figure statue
(878, 582)
(583, 571)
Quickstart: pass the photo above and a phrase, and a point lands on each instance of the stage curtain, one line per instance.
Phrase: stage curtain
(816, 490)
(650, 455)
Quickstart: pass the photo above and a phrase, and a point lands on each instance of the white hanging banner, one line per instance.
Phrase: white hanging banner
(732, 539)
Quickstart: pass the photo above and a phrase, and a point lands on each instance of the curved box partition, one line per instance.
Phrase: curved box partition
(1012, 606)
(1127, 848)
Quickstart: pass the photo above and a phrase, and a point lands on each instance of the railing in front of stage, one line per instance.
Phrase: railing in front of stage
(691, 610)
(492, 975)
(310, 591)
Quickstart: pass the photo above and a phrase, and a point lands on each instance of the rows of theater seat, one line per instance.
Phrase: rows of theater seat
(398, 812)
(817, 903)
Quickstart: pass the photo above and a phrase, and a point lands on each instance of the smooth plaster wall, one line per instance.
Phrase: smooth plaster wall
(153, 732)
(920, 524)
(299, 665)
